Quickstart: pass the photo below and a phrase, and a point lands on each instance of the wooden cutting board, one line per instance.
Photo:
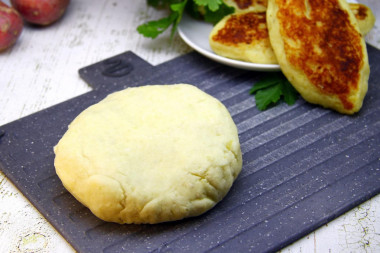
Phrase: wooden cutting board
(303, 165)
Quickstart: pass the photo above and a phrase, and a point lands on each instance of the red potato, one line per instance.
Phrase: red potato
(11, 25)
(40, 12)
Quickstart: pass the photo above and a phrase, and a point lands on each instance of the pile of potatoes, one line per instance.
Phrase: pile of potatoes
(36, 12)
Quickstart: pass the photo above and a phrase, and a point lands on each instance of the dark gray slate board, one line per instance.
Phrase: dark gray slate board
(303, 165)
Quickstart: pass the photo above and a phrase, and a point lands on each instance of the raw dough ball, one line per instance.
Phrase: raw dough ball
(150, 154)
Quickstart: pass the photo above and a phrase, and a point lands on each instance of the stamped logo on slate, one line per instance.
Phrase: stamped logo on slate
(116, 68)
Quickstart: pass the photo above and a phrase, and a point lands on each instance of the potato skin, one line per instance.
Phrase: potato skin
(41, 12)
(11, 25)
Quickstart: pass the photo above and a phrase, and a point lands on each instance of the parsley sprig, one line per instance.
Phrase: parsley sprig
(209, 10)
(269, 91)
(154, 28)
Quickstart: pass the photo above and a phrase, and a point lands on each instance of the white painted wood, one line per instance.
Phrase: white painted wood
(42, 70)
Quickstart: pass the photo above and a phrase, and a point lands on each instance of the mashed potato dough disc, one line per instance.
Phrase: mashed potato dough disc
(150, 154)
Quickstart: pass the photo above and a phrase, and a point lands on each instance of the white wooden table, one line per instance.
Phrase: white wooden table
(41, 70)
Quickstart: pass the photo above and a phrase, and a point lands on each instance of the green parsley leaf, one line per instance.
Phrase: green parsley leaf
(162, 3)
(215, 16)
(210, 10)
(195, 10)
(266, 82)
(154, 28)
(290, 94)
(177, 8)
(213, 5)
(271, 89)
(267, 96)
(203, 12)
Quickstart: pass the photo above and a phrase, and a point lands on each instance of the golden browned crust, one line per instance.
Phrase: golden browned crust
(323, 44)
(365, 17)
(360, 11)
(246, 28)
(243, 36)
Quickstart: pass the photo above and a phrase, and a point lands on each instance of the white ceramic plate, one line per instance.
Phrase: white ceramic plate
(195, 33)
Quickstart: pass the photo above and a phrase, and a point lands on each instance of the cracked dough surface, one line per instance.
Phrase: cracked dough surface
(150, 154)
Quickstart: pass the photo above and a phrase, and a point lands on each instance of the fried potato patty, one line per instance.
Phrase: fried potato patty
(321, 51)
(243, 36)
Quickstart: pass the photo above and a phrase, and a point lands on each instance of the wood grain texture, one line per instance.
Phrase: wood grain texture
(42, 70)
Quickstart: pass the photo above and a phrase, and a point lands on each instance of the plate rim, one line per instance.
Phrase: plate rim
(211, 55)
